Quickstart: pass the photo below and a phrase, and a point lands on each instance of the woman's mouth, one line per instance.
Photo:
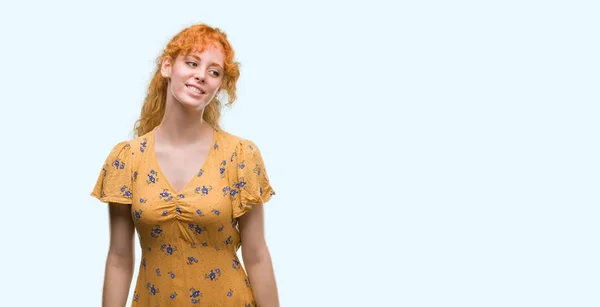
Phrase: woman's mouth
(195, 89)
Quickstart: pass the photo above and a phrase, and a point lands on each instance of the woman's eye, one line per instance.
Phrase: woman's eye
(215, 73)
(192, 64)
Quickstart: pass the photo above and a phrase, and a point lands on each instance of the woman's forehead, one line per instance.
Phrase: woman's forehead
(203, 50)
(203, 47)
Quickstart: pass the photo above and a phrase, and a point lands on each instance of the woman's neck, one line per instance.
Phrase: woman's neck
(181, 126)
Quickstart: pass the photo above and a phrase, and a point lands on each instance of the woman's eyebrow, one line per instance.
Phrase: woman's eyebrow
(198, 58)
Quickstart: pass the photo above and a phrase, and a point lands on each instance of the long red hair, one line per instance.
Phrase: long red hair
(194, 38)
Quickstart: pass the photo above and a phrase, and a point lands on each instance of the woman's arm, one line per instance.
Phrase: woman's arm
(119, 262)
(257, 259)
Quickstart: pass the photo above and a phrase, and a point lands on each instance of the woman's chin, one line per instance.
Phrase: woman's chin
(193, 105)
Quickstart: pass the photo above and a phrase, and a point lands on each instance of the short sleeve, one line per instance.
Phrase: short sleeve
(115, 179)
(252, 179)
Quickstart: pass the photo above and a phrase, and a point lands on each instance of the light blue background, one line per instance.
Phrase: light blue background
(425, 153)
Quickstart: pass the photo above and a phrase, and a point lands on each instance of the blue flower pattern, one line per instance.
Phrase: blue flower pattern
(236, 169)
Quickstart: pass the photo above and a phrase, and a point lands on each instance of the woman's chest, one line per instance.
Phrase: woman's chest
(205, 198)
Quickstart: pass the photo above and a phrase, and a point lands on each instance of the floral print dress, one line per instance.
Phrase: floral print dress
(189, 238)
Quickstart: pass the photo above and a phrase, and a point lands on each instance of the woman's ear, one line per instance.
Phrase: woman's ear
(166, 67)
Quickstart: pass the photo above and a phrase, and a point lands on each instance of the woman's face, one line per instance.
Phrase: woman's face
(195, 78)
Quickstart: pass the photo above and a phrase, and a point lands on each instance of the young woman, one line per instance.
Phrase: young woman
(192, 191)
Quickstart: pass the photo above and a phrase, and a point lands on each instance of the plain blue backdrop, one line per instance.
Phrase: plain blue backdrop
(424, 153)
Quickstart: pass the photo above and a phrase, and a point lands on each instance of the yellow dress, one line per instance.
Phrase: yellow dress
(189, 238)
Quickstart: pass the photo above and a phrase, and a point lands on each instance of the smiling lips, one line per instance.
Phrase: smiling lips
(196, 89)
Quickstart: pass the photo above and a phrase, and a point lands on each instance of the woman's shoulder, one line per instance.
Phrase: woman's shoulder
(230, 141)
(128, 148)
(237, 146)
